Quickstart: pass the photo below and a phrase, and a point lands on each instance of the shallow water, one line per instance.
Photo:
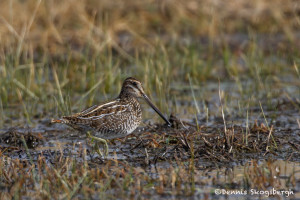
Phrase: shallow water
(160, 152)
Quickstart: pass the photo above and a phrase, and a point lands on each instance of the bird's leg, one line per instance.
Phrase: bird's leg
(97, 141)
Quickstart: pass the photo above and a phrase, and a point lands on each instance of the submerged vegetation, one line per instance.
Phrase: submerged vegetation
(227, 74)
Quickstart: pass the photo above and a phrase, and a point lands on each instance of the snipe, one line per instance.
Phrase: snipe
(115, 119)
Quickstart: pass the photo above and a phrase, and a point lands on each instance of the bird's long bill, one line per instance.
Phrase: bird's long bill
(156, 109)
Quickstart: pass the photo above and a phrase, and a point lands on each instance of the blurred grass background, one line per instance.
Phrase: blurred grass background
(58, 54)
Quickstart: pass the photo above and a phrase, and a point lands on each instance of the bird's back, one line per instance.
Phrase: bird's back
(114, 119)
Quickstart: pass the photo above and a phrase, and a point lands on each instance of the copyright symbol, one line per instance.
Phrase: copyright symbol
(217, 191)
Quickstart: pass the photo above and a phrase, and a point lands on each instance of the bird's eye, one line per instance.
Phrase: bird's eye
(134, 83)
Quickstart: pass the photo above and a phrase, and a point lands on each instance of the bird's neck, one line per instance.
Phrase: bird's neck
(125, 96)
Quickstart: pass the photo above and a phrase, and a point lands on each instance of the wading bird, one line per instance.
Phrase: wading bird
(114, 119)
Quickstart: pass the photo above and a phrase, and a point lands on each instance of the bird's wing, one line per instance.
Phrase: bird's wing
(87, 110)
(99, 113)
(92, 109)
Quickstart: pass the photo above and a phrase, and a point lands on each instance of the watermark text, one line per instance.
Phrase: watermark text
(266, 193)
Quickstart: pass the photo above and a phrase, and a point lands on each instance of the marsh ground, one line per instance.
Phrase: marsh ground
(226, 74)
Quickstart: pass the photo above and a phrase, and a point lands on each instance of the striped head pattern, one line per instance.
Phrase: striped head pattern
(132, 86)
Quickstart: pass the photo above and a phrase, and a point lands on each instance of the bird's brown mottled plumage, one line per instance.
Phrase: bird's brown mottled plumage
(116, 118)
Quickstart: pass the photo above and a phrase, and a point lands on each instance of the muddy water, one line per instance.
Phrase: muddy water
(159, 151)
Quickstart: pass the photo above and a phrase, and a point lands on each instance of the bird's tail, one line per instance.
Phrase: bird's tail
(62, 121)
